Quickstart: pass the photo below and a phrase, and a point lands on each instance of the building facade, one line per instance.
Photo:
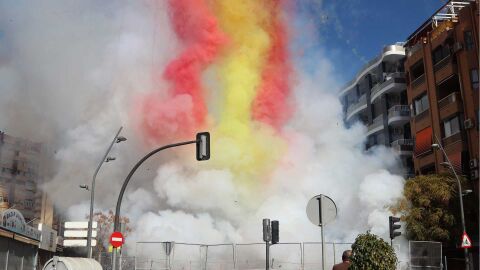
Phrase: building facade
(442, 89)
(377, 97)
(28, 221)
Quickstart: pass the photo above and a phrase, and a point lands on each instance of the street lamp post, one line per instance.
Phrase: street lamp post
(438, 145)
(202, 152)
(105, 158)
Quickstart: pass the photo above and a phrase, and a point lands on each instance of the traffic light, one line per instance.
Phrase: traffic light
(275, 232)
(393, 227)
(203, 146)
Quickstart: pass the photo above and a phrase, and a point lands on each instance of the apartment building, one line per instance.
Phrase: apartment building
(377, 97)
(442, 90)
(20, 176)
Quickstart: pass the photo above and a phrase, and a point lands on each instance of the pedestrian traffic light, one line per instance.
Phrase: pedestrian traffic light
(393, 227)
(275, 232)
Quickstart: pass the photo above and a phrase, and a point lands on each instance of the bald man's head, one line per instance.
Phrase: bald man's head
(346, 255)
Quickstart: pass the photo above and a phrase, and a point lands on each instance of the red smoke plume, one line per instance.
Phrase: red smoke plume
(184, 112)
(271, 104)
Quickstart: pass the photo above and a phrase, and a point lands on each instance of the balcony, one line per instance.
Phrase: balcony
(444, 69)
(403, 146)
(376, 125)
(453, 139)
(390, 53)
(418, 81)
(357, 107)
(450, 105)
(395, 82)
(399, 115)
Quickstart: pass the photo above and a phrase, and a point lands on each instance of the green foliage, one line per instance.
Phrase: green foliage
(426, 207)
(371, 252)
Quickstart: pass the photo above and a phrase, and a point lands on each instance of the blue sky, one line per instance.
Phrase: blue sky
(351, 32)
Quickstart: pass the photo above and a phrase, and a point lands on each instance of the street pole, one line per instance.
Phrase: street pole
(462, 215)
(267, 255)
(92, 195)
(320, 214)
(129, 176)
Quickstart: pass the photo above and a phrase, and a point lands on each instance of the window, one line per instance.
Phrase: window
(421, 104)
(451, 126)
(467, 35)
(474, 78)
(417, 70)
(440, 53)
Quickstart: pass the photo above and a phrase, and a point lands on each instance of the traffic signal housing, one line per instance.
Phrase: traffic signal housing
(275, 232)
(392, 220)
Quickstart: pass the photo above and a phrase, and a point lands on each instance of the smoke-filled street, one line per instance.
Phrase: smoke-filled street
(294, 103)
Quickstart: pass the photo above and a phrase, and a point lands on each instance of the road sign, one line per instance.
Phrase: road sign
(117, 239)
(321, 207)
(466, 242)
(320, 211)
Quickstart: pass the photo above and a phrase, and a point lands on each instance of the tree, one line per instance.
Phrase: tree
(105, 229)
(426, 207)
(371, 252)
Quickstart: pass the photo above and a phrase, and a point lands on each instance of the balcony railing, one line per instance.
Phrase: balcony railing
(442, 63)
(422, 115)
(419, 80)
(352, 109)
(452, 139)
(452, 98)
(375, 125)
(397, 77)
(399, 111)
(403, 145)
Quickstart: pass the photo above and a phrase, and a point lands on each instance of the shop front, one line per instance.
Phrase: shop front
(18, 242)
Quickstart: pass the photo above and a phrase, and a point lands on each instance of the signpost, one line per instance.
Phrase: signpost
(320, 211)
(76, 233)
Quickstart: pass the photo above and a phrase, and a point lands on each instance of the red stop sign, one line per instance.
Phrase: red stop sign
(116, 239)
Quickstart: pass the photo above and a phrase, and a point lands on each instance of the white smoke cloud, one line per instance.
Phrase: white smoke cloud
(69, 72)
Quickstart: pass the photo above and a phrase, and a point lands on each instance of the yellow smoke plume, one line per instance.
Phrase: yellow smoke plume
(248, 148)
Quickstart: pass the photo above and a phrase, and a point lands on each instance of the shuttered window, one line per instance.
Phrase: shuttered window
(423, 141)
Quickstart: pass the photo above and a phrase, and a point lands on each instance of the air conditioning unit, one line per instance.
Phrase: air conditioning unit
(473, 174)
(473, 163)
(457, 47)
(468, 124)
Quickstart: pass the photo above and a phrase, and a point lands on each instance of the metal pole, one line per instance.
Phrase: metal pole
(320, 214)
(462, 216)
(129, 176)
(267, 256)
(92, 195)
(114, 259)
(125, 183)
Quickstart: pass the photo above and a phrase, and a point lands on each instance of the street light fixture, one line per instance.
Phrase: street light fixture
(116, 139)
(84, 187)
(121, 139)
(438, 145)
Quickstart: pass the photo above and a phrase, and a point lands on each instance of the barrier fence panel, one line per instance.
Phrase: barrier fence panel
(286, 256)
(294, 256)
(220, 257)
(425, 255)
(312, 252)
(250, 256)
